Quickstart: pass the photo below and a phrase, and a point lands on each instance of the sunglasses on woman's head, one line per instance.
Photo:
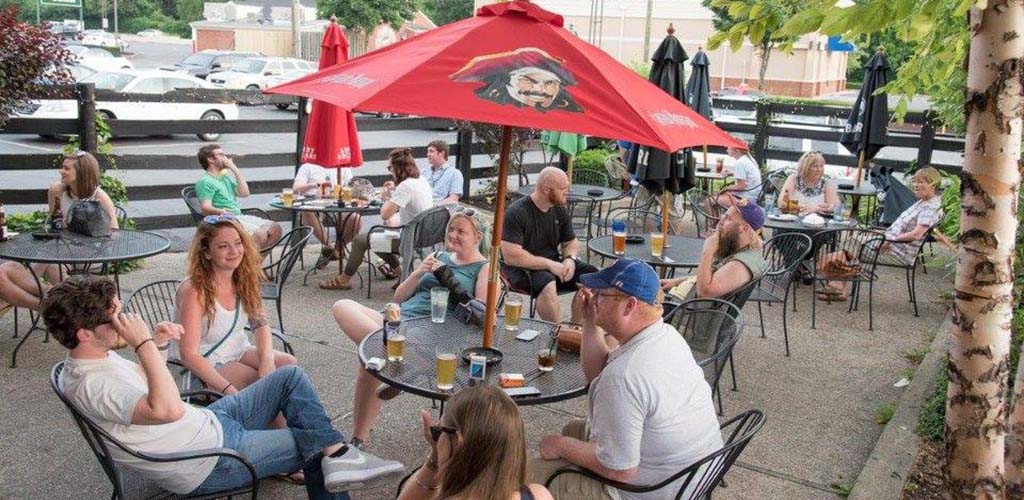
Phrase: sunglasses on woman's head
(215, 219)
(436, 430)
(464, 210)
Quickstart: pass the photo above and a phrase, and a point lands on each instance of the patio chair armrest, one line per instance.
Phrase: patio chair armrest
(214, 395)
(257, 212)
(200, 454)
(572, 469)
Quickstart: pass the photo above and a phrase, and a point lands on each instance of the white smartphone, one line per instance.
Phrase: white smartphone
(528, 335)
(522, 391)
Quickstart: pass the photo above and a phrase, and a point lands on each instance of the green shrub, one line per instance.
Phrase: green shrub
(26, 222)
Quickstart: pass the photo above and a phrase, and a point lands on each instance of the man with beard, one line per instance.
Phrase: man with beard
(527, 77)
(650, 409)
(732, 256)
(539, 245)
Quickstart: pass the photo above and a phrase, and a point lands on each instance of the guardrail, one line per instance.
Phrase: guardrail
(918, 132)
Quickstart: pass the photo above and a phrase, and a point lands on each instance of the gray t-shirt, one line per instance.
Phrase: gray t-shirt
(651, 408)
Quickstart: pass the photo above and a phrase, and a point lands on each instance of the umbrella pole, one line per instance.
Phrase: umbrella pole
(499, 222)
(860, 165)
(666, 198)
(568, 168)
(705, 148)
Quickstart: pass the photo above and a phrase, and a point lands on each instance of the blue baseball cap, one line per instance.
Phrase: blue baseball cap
(630, 276)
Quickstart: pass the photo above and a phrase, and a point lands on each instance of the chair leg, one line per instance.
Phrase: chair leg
(871, 306)
(814, 303)
(760, 317)
(280, 317)
(732, 372)
(913, 289)
(785, 327)
(906, 279)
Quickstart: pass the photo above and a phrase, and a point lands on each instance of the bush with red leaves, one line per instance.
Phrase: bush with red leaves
(32, 60)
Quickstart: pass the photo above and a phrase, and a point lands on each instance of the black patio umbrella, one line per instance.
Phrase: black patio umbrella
(662, 172)
(865, 131)
(698, 89)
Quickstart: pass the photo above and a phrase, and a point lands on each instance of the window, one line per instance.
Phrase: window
(287, 66)
(254, 66)
(197, 60)
(178, 83)
(110, 81)
(273, 68)
(148, 86)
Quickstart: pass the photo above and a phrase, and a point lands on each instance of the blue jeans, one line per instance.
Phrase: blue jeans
(246, 417)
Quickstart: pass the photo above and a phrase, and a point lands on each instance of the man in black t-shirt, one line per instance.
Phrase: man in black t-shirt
(539, 245)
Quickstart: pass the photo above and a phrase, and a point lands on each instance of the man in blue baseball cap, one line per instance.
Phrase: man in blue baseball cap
(651, 412)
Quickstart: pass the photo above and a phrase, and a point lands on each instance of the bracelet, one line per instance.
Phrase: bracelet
(225, 389)
(421, 485)
(142, 344)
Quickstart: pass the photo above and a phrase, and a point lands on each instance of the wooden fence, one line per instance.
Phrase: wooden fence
(770, 121)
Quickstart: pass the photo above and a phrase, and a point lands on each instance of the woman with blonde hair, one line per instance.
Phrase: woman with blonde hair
(477, 451)
(809, 187)
(79, 181)
(220, 297)
(464, 257)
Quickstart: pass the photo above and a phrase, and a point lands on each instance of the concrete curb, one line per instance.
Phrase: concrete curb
(888, 467)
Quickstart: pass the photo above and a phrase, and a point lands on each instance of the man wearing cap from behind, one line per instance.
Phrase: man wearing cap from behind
(732, 255)
(651, 412)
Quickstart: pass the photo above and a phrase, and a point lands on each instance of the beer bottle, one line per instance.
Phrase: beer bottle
(3, 223)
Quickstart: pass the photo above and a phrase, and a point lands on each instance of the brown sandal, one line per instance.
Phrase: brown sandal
(831, 296)
(334, 284)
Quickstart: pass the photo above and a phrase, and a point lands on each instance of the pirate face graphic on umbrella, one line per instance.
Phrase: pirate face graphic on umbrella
(526, 77)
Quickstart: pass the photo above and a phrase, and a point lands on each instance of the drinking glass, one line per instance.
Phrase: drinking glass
(346, 194)
(396, 346)
(446, 361)
(619, 237)
(513, 310)
(438, 304)
(546, 358)
(657, 244)
(837, 212)
(287, 197)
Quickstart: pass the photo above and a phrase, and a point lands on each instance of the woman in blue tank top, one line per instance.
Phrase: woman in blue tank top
(464, 256)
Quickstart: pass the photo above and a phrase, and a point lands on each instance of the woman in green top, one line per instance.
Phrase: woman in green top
(466, 258)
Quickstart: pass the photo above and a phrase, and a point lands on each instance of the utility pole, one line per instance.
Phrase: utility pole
(647, 30)
(115, 17)
(296, 37)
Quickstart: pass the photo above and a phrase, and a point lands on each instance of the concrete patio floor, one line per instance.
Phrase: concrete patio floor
(819, 403)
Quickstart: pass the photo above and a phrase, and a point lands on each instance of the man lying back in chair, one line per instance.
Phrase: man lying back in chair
(651, 413)
(140, 406)
(731, 257)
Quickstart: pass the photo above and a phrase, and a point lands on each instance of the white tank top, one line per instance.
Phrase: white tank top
(210, 333)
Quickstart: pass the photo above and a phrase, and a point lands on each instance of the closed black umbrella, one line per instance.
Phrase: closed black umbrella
(658, 170)
(865, 131)
(698, 89)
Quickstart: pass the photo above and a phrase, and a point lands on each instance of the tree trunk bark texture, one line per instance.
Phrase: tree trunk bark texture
(976, 412)
(764, 53)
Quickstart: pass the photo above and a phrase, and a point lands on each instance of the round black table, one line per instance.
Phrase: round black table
(707, 178)
(336, 214)
(607, 193)
(77, 252)
(866, 189)
(683, 252)
(796, 226)
(417, 372)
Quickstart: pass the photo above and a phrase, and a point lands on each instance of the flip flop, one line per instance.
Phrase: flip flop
(332, 284)
(386, 271)
(297, 478)
(831, 296)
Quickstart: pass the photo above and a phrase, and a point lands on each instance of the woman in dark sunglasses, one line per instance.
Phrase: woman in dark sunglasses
(477, 451)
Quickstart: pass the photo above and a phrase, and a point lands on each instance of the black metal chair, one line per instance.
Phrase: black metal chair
(706, 212)
(283, 255)
(699, 479)
(859, 244)
(711, 328)
(188, 194)
(589, 177)
(776, 181)
(129, 484)
(784, 253)
(884, 259)
(426, 231)
(581, 214)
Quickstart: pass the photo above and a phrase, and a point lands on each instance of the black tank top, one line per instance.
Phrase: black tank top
(525, 493)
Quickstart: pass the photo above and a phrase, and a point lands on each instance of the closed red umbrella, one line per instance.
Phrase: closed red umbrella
(331, 137)
(512, 64)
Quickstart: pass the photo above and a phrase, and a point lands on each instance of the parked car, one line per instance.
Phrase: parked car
(151, 33)
(99, 59)
(100, 38)
(283, 101)
(258, 73)
(201, 64)
(142, 82)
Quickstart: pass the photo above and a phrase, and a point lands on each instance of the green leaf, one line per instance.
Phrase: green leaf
(921, 24)
(903, 8)
(803, 22)
(738, 9)
(757, 31)
(715, 40)
(901, 109)
(755, 11)
(836, 21)
(736, 41)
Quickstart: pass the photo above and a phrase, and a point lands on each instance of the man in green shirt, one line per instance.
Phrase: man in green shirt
(732, 255)
(220, 187)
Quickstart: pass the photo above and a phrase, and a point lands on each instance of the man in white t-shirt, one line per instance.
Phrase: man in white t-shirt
(746, 177)
(139, 405)
(307, 183)
(651, 413)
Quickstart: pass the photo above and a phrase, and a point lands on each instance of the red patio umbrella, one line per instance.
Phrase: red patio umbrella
(331, 137)
(513, 64)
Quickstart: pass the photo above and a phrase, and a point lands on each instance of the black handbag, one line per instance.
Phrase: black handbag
(88, 218)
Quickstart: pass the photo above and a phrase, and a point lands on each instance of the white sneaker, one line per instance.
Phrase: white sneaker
(356, 470)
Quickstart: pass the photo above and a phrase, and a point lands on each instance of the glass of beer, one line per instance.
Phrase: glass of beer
(346, 194)
(546, 358)
(396, 342)
(336, 192)
(438, 304)
(513, 310)
(657, 244)
(287, 197)
(619, 237)
(446, 361)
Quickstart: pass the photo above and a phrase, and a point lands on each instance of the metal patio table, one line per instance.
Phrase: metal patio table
(684, 251)
(866, 190)
(607, 193)
(707, 178)
(417, 372)
(337, 215)
(76, 254)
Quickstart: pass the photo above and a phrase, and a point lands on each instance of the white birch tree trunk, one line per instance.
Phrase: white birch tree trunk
(976, 412)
